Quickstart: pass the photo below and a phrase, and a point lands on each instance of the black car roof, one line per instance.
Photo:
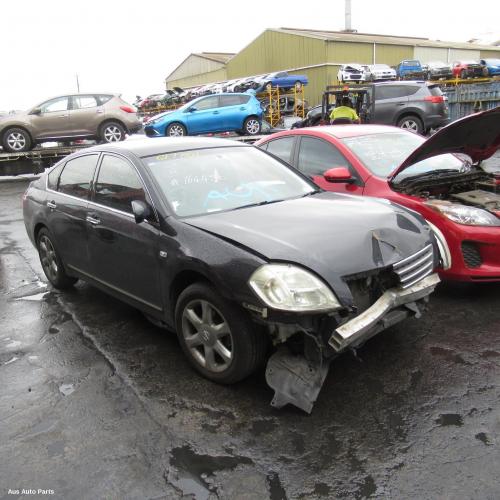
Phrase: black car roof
(153, 146)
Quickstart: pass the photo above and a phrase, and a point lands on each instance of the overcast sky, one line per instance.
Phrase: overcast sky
(130, 46)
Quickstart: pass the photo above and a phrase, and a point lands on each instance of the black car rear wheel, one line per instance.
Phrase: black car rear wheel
(411, 123)
(51, 262)
(16, 140)
(112, 132)
(219, 340)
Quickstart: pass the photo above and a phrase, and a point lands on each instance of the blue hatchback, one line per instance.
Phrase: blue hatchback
(241, 113)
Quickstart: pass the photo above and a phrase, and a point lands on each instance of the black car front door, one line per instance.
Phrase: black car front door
(124, 255)
(68, 190)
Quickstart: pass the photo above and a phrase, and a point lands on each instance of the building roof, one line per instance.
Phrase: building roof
(221, 57)
(343, 36)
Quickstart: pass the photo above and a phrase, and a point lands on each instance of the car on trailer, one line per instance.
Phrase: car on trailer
(283, 80)
(458, 197)
(378, 72)
(491, 67)
(436, 70)
(352, 72)
(233, 250)
(238, 112)
(467, 69)
(101, 116)
(410, 69)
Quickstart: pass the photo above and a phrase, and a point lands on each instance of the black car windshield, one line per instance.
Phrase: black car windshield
(203, 181)
(383, 153)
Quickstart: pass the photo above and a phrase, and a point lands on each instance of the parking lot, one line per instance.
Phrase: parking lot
(96, 402)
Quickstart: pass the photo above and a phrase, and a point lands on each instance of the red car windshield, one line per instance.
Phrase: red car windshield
(383, 153)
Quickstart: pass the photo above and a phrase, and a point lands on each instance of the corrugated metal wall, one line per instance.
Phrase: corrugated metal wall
(428, 54)
(459, 54)
(490, 54)
(273, 51)
(190, 81)
(392, 54)
(317, 82)
(346, 52)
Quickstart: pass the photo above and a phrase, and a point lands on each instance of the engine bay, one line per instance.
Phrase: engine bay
(477, 189)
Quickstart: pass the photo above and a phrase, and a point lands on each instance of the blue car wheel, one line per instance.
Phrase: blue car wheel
(176, 130)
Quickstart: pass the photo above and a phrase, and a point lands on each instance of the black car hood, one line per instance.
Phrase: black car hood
(477, 136)
(331, 234)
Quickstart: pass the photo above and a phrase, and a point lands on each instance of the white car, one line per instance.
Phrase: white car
(381, 72)
(351, 72)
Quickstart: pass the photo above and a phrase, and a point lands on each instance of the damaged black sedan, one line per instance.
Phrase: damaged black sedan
(235, 251)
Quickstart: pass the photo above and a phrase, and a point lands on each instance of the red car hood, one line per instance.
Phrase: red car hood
(477, 136)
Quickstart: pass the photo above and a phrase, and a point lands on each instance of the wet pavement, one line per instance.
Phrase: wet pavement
(96, 402)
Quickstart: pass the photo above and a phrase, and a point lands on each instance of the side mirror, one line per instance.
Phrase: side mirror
(140, 210)
(339, 174)
(192, 109)
(36, 111)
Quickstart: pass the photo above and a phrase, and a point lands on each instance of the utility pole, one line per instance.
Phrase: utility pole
(77, 84)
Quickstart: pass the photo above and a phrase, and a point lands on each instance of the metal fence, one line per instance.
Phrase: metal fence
(466, 99)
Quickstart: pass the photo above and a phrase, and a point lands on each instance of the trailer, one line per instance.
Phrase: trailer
(37, 160)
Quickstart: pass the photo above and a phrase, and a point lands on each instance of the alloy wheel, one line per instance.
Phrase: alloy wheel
(410, 125)
(253, 126)
(48, 258)
(16, 141)
(112, 134)
(207, 335)
(176, 131)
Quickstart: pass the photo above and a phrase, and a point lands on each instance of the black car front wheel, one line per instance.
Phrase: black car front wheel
(411, 123)
(219, 339)
(16, 140)
(112, 132)
(251, 126)
(51, 262)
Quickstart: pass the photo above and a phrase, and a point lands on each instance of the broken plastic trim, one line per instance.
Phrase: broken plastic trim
(364, 325)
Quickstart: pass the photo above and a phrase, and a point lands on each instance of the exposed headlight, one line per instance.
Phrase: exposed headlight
(290, 288)
(462, 214)
(444, 249)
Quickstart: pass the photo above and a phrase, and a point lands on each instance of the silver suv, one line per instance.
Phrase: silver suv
(105, 117)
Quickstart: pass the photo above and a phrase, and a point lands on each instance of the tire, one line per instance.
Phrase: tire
(412, 123)
(219, 339)
(252, 126)
(16, 140)
(112, 132)
(51, 262)
(176, 129)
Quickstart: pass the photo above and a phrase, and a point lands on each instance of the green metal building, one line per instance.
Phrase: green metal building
(318, 54)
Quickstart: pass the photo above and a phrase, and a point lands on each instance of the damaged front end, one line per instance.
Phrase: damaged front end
(307, 343)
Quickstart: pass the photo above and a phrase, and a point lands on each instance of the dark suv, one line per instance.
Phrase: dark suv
(414, 105)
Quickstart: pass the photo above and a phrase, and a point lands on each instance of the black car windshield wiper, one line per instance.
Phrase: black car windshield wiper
(259, 203)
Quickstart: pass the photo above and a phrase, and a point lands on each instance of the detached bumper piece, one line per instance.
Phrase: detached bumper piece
(294, 379)
(382, 313)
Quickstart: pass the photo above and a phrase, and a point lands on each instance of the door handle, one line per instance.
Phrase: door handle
(51, 204)
(243, 108)
(215, 112)
(93, 220)
(63, 116)
(100, 111)
(401, 103)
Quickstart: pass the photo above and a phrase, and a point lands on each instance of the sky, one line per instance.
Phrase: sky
(129, 47)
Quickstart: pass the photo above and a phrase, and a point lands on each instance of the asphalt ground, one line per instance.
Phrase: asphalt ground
(96, 402)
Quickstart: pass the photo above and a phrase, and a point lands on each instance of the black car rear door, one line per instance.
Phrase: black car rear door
(124, 255)
(68, 190)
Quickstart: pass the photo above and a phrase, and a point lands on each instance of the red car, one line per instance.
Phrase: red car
(454, 194)
(467, 69)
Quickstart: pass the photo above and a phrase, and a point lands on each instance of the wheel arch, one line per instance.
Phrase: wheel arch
(113, 120)
(36, 230)
(182, 280)
(410, 112)
(175, 122)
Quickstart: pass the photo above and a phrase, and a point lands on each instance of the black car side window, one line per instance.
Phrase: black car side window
(77, 175)
(317, 156)
(282, 148)
(53, 176)
(118, 184)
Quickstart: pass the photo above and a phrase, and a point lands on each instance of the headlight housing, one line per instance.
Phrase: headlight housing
(463, 214)
(290, 288)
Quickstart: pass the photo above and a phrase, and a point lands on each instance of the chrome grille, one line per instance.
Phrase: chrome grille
(414, 268)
